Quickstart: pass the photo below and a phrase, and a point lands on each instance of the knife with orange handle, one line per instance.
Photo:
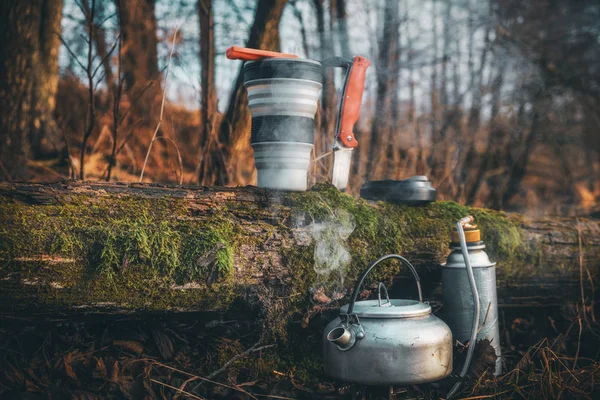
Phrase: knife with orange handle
(349, 112)
(245, 54)
(351, 101)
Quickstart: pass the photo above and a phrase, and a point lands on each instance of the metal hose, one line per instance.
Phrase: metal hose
(475, 329)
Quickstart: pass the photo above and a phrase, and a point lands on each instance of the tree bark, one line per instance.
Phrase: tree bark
(328, 112)
(434, 103)
(28, 83)
(341, 16)
(384, 123)
(447, 39)
(475, 112)
(209, 140)
(90, 247)
(141, 75)
(234, 132)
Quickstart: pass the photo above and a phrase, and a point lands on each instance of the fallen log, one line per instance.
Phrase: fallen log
(90, 247)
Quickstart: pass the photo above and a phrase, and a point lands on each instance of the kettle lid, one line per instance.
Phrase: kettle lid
(395, 308)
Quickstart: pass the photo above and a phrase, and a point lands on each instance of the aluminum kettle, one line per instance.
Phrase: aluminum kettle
(387, 342)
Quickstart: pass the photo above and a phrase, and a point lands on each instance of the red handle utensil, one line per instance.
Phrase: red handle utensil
(245, 54)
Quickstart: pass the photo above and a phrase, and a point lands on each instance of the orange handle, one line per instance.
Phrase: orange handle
(242, 53)
(355, 87)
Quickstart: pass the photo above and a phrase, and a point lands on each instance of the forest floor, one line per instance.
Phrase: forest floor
(548, 353)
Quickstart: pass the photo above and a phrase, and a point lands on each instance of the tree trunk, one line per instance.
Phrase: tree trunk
(325, 132)
(89, 247)
(447, 39)
(140, 58)
(384, 124)
(234, 133)
(475, 112)
(518, 168)
(209, 140)
(434, 82)
(28, 83)
(342, 28)
(303, 34)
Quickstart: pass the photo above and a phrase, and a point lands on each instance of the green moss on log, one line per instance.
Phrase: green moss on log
(131, 252)
(137, 252)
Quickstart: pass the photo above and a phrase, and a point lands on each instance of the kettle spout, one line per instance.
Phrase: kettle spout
(341, 336)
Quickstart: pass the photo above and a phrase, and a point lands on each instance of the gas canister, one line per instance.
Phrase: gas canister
(459, 307)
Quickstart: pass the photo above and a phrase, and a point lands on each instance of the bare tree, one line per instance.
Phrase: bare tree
(117, 116)
(140, 58)
(446, 40)
(234, 133)
(328, 96)
(303, 34)
(102, 48)
(477, 78)
(434, 76)
(384, 123)
(342, 27)
(208, 101)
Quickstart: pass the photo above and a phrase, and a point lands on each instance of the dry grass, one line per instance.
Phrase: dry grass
(176, 156)
(546, 370)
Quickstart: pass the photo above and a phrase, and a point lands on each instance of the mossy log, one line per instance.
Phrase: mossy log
(90, 247)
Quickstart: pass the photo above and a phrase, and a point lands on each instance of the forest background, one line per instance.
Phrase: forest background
(497, 101)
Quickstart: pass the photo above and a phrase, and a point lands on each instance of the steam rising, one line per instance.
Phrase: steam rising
(331, 256)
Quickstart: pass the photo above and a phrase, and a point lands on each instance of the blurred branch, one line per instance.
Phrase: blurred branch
(91, 105)
(108, 54)
(168, 139)
(300, 18)
(237, 11)
(117, 93)
(62, 40)
(162, 106)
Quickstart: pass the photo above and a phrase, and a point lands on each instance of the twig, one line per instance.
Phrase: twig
(162, 106)
(578, 342)
(581, 267)
(183, 385)
(486, 316)
(272, 396)
(205, 379)
(587, 270)
(116, 111)
(562, 363)
(178, 156)
(177, 389)
(71, 53)
(233, 359)
(91, 106)
(112, 48)
(322, 156)
(487, 396)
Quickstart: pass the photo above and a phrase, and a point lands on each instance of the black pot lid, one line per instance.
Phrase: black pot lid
(396, 308)
(412, 191)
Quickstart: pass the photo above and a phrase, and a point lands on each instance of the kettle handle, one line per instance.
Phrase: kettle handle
(404, 261)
